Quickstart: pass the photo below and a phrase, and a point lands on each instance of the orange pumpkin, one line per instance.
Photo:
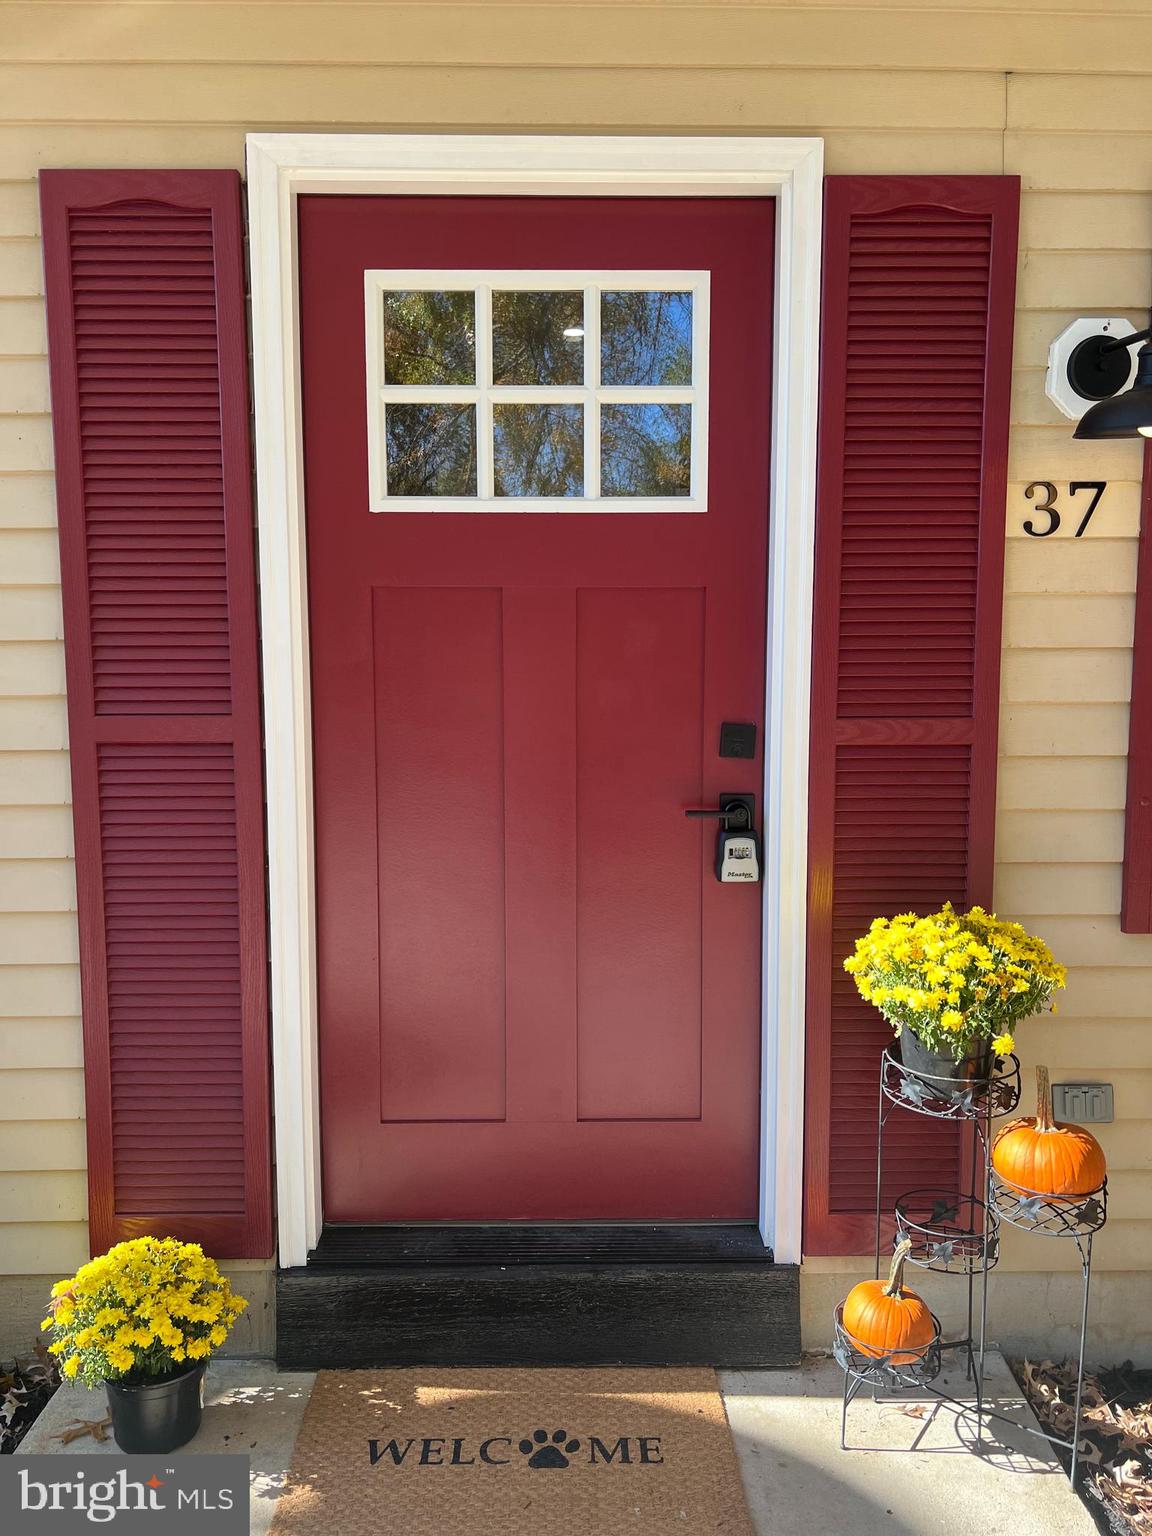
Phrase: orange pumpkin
(1039, 1156)
(885, 1319)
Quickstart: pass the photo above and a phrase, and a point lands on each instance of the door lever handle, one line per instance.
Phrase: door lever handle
(730, 814)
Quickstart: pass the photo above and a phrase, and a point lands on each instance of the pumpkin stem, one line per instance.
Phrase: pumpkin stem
(896, 1273)
(1044, 1121)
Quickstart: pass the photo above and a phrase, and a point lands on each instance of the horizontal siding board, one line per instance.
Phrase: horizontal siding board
(55, 1196)
(23, 380)
(1063, 729)
(26, 443)
(31, 613)
(1068, 677)
(37, 885)
(1110, 102)
(1060, 620)
(1082, 940)
(1068, 566)
(1106, 992)
(41, 1143)
(19, 210)
(29, 558)
(38, 938)
(1053, 890)
(1095, 282)
(35, 669)
(1085, 220)
(42, 1247)
(1110, 1045)
(38, 1043)
(743, 94)
(1075, 837)
(27, 502)
(42, 1093)
(21, 269)
(22, 323)
(845, 37)
(33, 778)
(1083, 783)
(1078, 162)
(1033, 448)
(34, 725)
(1124, 1243)
(30, 832)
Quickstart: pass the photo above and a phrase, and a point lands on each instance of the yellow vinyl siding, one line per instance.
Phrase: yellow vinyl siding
(1003, 86)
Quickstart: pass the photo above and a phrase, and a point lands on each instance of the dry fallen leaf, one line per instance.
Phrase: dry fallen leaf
(80, 1428)
(1116, 1421)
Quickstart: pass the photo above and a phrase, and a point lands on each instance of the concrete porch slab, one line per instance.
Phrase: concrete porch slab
(919, 1477)
(916, 1477)
(250, 1409)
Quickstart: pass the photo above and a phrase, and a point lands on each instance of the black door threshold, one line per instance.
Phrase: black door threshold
(515, 1243)
(539, 1295)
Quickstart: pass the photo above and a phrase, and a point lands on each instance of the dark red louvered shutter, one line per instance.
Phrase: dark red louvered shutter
(148, 354)
(1136, 901)
(919, 288)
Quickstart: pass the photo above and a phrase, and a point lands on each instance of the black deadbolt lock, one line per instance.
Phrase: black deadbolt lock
(738, 739)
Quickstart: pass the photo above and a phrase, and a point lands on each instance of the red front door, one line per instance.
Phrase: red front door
(536, 1001)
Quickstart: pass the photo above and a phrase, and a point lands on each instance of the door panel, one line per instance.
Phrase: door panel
(439, 742)
(536, 1002)
(640, 675)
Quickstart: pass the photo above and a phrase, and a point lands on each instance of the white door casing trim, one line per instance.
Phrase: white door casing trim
(280, 168)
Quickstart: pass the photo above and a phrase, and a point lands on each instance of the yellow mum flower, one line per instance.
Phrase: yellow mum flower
(71, 1366)
(952, 1019)
(1003, 1045)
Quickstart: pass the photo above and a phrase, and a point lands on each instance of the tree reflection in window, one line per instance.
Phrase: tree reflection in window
(539, 450)
(645, 338)
(645, 450)
(537, 338)
(429, 337)
(431, 449)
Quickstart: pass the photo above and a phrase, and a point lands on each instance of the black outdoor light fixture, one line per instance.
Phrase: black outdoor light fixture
(1098, 369)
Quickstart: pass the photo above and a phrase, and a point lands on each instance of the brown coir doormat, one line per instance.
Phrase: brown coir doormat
(505, 1452)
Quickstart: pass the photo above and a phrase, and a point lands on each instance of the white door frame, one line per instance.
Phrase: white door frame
(280, 168)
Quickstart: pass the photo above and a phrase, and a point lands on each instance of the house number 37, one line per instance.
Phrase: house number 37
(1044, 494)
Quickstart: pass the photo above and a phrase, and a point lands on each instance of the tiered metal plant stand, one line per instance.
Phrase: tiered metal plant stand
(959, 1234)
(1078, 1218)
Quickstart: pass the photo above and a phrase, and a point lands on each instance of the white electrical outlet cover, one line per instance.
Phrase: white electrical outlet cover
(1056, 385)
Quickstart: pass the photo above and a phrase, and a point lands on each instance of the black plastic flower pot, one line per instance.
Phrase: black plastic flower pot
(945, 1076)
(157, 1414)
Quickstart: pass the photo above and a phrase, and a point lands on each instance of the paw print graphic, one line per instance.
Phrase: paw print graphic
(544, 1452)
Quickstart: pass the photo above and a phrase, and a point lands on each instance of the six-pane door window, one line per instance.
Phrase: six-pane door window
(537, 391)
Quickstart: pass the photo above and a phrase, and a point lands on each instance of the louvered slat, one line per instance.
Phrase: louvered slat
(148, 355)
(919, 278)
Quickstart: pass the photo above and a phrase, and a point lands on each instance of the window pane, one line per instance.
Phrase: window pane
(645, 450)
(538, 338)
(429, 338)
(431, 449)
(645, 338)
(539, 450)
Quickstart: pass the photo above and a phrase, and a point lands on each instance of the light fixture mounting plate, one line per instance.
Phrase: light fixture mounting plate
(1078, 374)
